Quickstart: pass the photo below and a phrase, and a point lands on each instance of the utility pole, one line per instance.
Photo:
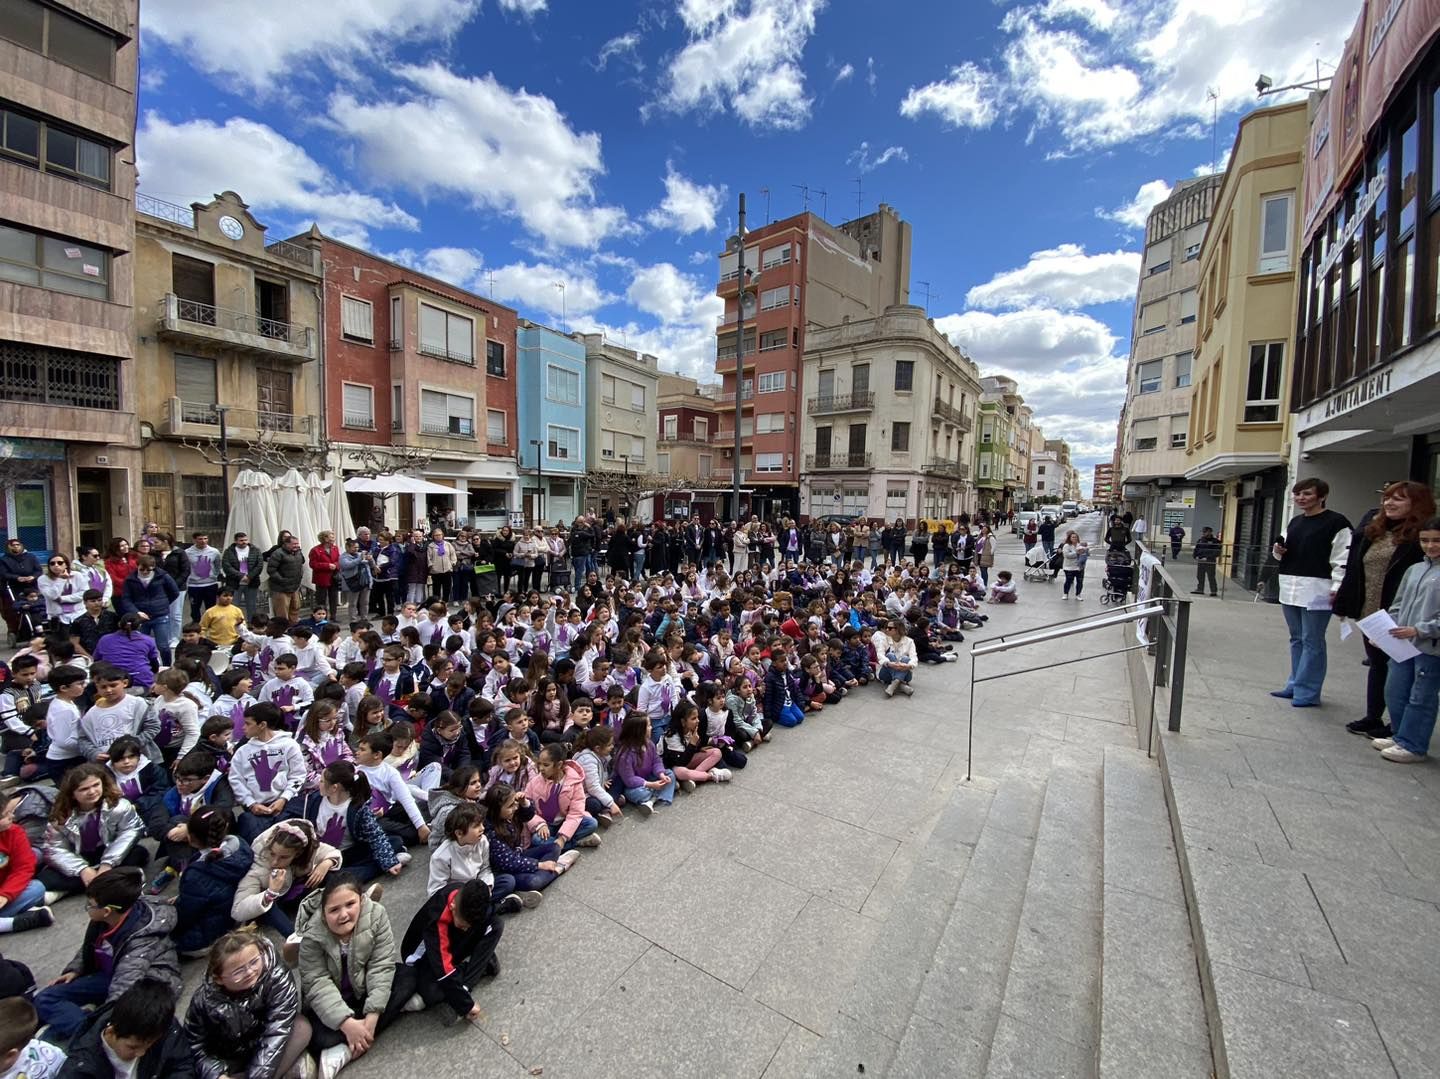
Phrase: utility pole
(220, 411)
(740, 361)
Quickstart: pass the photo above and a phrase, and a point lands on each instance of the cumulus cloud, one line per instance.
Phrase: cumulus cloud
(687, 207)
(744, 54)
(965, 98)
(503, 150)
(862, 160)
(1134, 213)
(197, 159)
(1064, 277)
(530, 287)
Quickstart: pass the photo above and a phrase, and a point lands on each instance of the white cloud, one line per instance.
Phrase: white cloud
(744, 53)
(688, 207)
(1063, 277)
(967, 98)
(1214, 166)
(624, 46)
(504, 150)
(862, 159)
(672, 296)
(258, 41)
(1096, 13)
(700, 258)
(844, 74)
(871, 79)
(197, 159)
(531, 287)
(524, 7)
(1134, 213)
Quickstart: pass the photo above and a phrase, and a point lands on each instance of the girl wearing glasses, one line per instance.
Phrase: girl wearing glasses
(63, 591)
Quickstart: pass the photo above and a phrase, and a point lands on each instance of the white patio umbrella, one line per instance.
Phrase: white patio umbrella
(250, 509)
(338, 509)
(292, 513)
(318, 510)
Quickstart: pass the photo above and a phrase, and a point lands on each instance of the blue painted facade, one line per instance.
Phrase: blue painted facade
(550, 409)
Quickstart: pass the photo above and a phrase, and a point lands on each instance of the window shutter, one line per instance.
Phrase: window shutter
(1156, 254)
(495, 426)
(356, 319)
(1188, 304)
(356, 401)
(432, 328)
(433, 409)
(460, 339)
(195, 380)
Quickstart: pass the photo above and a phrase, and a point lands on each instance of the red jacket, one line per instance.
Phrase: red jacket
(19, 868)
(324, 561)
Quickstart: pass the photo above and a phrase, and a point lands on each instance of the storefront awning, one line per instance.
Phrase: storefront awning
(395, 485)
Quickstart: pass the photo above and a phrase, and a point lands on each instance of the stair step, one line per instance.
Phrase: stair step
(1152, 1012)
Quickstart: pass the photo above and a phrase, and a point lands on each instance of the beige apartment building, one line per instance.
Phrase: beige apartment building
(687, 446)
(227, 332)
(69, 452)
(1154, 425)
(911, 395)
(620, 398)
(1240, 420)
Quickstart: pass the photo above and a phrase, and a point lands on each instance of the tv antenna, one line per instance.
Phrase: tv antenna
(928, 294)
(1214, 99)
(804, 195)
(766, 192)
(563, 321)
(824, 204)
(859, 197)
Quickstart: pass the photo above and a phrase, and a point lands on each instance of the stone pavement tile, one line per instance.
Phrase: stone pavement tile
(1066, 867)
(1222, 808)
(904, 814)
(674, 1020)
(1130, 1052)
(834, 790)
(901, 761)
(1313, 824)
(932, 1050)
(1202, 754)
(1054, 980)
(1393, 792)
(806, 972)
(1258, 918)
(1325, 1036)
(637, 855)
(1407, 1014)
(1140, 855)
(894, 878)
(998, 872)
(1236, 848)
(793, 1057)
(1098, 732)
(1367, 923)
(1287, 766)
(1016, 806)
(1150, 981)
(419, 1045)
(849, 1048)
(1417, 845)
(965, 982)
(1132, 781)
(1026, 1051)
(1092, 688)
(532, 1001)
(1265, 721)
(815, 854)
(1318, 866)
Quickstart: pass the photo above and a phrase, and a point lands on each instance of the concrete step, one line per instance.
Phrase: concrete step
(976, 844)
(1152, 1011)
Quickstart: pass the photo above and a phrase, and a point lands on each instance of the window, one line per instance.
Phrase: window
(495, 359)
(702, 428)
(1188, 303)
(1148, 376)
(672, 427)
(1157, 258)
(397, 407)
(195, 385)
(1262, 389)
(446, 414)
(662, 463)
(357, 320)
(446, 336)
(44, 145)
(637, 398)
(397, 323)
(1193, 240)
(1183, 363)
(1039, 470)
(607, 444)
(769, 422)
(904, 376)
(562, 385)
(772, 298)
(1147, 442)
(707, 464)
(900, 437)
(895, 497)
(772, 382)
(203, 500)
(62, 265)
(495, 427)
(775, 256)
(607, 389)
(357, 406)
(769, 462)
(771, 341)
(1144, 435)
(637, 448)
(1402, 302)
(1274, 234)
(562, 443)
(59, 36)
(1177, 440)
(985, 466)
(1153, 317)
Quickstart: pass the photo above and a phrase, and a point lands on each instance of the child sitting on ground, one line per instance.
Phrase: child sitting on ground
(1004, 590)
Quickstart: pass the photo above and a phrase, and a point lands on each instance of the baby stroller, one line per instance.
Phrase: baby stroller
(1119, 572)
(29, 610)
(1039, 566)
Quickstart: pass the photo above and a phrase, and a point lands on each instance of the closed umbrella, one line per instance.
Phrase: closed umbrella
(250, 510)
(338, 509)
(266, 507)
(317, 509)
(292, 513)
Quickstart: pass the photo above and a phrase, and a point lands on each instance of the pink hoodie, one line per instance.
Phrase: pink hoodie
(565, 798)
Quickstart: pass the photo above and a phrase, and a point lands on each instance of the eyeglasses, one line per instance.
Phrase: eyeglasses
(57, 561)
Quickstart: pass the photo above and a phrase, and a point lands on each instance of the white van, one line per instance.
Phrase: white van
(1070, 509)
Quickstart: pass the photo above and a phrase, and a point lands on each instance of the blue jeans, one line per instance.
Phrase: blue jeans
(791, 715)
(638, 565)
(890, 674)
(1412, 690)
(1307, 652)
(62, 1006)
(160, 629)
(588, 824)
(31, 895)
(533, 882)
(665, 795)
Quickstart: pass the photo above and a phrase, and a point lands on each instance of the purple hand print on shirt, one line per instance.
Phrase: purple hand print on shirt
(334, 833)
(237, 720)
(266, 771)
(167, 727)
(97, 580)
(667, 698)
(130, 787)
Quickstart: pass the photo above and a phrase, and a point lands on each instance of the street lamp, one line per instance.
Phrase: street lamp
(625, 501)
(540, 476)
(220, 411)
(743, 277)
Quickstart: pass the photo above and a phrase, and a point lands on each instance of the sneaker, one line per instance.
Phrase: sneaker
(567, 859)
(1381, 743)
(511, 904)
(604, 820)
(492, 968)
(645, 808)
(38, 918)
(403, 857)
(1066, 596)
(687, 785)
(951, 657)
(907, 689)
(531, 900)
(721, 775)
(375, 892)
(1368, 728)
(291, 950)
(333, 1059)
(890, 688)
(1197, 591)
(163, 880)
(1400, 755)
(1079, 599)
(591, 841)
(304, 1067)
(53, 897)
(416, 1003)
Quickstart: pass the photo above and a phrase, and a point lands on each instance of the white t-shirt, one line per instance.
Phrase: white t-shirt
(62, 723)
(38, 1060)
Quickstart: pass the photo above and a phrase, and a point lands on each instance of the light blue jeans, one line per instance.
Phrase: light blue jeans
(31, 895)
(588, 824)
(890, 674)
(1307, 652)
(1412, 690)
(665, 795)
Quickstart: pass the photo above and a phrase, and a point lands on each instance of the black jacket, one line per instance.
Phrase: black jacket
(448, 948)
(141, 948)
(1351, 597)
(207, 889)
(286, 569)
(169, 1058)
(244, 1034)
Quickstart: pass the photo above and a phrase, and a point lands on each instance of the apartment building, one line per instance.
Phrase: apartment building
(1154, 425)
(1365, 385)
(405, 389)
(552, 373)
(1022, 439)
(1102, 485)
(1000, 402)
(621, 387)
(889, 419)
(1240, 418)
(227, 333)
(1047, 478)
(688, 440)
(70, 470)
(802, 273)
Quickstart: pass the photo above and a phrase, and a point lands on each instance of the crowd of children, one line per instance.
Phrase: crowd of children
(193, 807)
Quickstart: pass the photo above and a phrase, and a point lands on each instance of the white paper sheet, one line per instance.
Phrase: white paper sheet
(1346, 629)
(1377, 627)
(1319, 603)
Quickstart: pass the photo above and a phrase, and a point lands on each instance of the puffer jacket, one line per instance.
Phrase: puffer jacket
(440, 559)
(371, 963)
(286, 569)
(202, 908)
(441, 804)
(120, 828)
(140, 948)
(564, 799)
(250, 902)
(151, 597)
(244, 1033)
(597, 776)
(86, 1058)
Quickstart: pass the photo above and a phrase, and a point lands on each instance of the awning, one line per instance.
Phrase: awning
(395, 485)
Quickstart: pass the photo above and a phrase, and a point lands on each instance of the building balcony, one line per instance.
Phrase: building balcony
(946, 466)
(747, 399)
(201, 421)
(861, 401)
(727, 438)
(724, 477)
(950, 414)
(193, 322)
(832, 462)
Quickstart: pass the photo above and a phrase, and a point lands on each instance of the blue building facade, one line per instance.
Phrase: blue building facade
(550, 407)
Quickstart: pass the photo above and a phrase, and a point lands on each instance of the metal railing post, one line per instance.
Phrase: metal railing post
(1177, 678)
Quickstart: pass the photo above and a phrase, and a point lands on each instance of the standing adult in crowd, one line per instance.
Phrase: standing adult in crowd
(202, 575)
(985, 553)
(1385, 545)
(462, 582)
(1312, 551)
(241, 568)
(502, 547)
(415, 569)
(119, 562)
(524, 557)
(284, 570)
(173, 560)
(440, 561)
(356, 578)
(325, 573)
(149, 593)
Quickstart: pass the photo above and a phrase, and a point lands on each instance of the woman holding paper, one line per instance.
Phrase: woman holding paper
(1386, 544)
(1412, 689)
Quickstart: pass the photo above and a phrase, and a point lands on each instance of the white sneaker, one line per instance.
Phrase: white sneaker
(645, 808)
(53, 897)
(1065, 597)
(907, 689)
(530, 900)
(687, 785)
(1400, 755)
(1079, 599)
(890, 688)
(567, 859)
(333, 1059)
(591, 840)
(1381, 743)
(720, 775)
(403, 857)
(416, 1003)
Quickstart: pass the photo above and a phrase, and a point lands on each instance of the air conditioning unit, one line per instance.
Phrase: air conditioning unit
(1217, 490)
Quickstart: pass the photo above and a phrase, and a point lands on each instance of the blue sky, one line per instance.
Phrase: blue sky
(507, 145)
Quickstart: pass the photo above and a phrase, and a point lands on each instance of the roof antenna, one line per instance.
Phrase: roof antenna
(804, 195)
(1214, 128)
(824, 204)
(928, 294)
(859, 197)
(766, 192)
